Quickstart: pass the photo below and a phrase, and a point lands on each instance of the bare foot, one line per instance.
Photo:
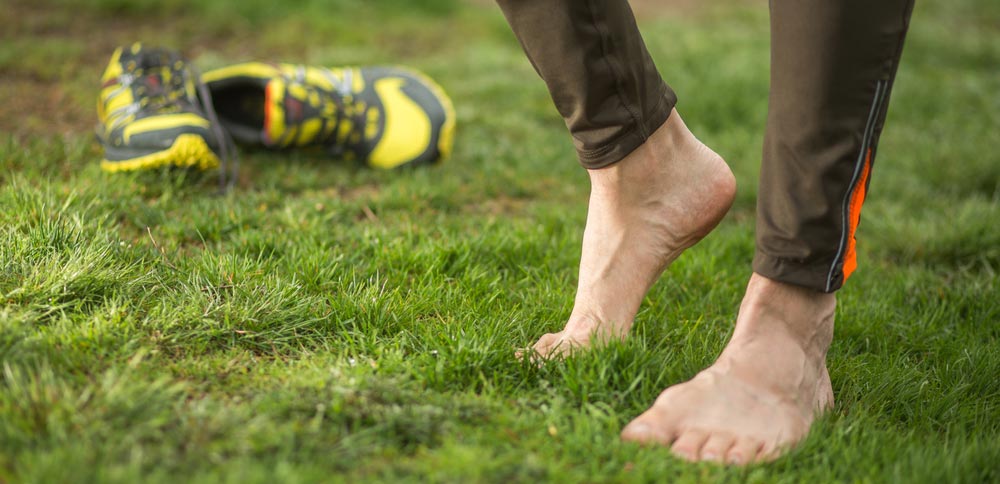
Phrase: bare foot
(762, 394)
(644, 211)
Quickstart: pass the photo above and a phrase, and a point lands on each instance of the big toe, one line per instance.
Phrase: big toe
(646, 429)
(550, 345)
(540, 348)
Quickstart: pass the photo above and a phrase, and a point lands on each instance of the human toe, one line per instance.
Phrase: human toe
(689, 444)
(743, 451)
(647, 431)
(716, 446)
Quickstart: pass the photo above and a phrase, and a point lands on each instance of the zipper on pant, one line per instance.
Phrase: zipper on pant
(881, 87)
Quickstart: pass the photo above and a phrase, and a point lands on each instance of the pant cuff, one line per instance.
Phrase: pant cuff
(632, 138)
(810, 275)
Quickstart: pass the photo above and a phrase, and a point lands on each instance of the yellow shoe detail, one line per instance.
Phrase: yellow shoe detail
(249, 69)
(407, 127)
(357, 81)
(446, 140)
(114, 99)
(113, 71)
(166, 121)
(309, 130)
(188, 150)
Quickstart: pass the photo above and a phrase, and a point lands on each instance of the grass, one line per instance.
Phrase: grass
(324, 322)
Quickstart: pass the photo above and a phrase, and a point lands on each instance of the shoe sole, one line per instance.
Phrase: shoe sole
(188, 150)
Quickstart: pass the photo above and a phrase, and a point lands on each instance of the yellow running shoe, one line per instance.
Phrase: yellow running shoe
(150, 115)
(383, 116)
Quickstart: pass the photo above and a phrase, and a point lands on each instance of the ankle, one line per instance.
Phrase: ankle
(773, 307)
(674, 135)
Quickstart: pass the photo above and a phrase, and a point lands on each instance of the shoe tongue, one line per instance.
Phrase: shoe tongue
(280, 111)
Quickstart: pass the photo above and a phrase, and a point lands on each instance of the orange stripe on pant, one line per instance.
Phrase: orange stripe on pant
(854, 214)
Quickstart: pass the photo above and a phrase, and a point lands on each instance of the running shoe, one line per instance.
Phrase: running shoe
(383, 116)
(150, 114)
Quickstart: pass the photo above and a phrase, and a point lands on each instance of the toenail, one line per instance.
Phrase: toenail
(710, 456)
(640, 428)
(735, 458)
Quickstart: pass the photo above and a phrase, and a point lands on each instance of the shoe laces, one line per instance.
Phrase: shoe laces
(348, 109)
(167, 98)
(229, 169)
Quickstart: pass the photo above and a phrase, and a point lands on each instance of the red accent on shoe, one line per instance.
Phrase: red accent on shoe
(268, 106)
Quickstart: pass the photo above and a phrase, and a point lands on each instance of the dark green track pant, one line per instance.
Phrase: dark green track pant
(832, 67)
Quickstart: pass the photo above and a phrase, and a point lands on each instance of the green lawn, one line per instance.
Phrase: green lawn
(328, 322)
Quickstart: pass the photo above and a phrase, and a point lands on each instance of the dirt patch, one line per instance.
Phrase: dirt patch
(37, 107)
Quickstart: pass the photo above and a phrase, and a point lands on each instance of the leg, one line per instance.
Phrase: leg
(832, 67)
(655, 189)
